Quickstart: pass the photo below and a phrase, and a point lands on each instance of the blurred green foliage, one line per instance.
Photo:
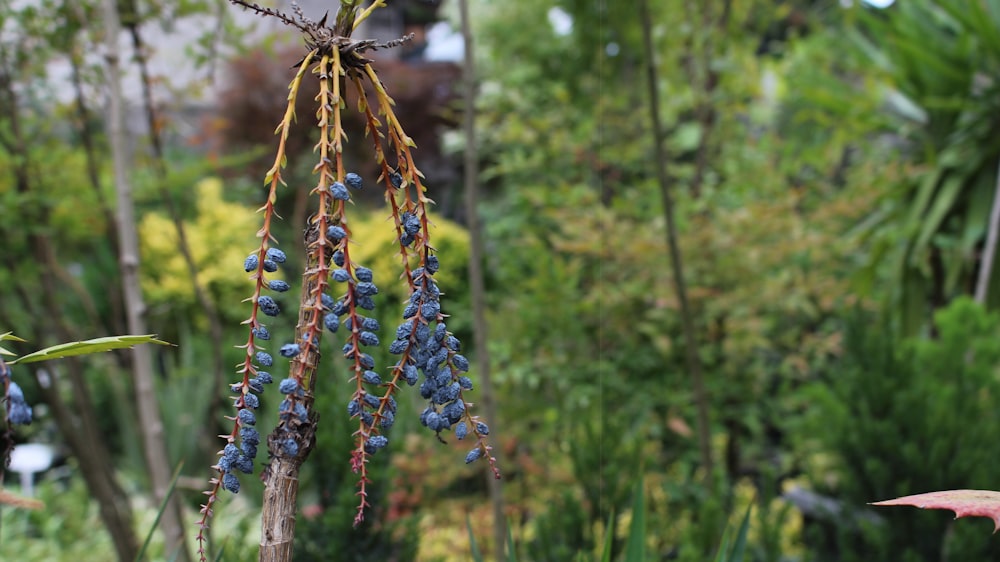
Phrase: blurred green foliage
(901, 417)
(824, 160)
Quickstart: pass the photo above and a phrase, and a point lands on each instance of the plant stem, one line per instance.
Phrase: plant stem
(990, 251)
(660, 159)
(145, 390)
(478, 288)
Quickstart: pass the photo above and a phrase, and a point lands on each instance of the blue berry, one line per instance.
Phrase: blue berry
(388, 418)
(244, 464)
(336, 233)
(19, 414)
(231, 452)
(454, 411)
(430, 310)
(365, 302)
(231, 482)
(261, 333)
(236, 387)
(246, 415)
(340, 308)
(433, 264)
(338, 256)
(268, 306)
(339, 191)
(225, 465)
(367, 419)
(363, 274)
(256, 385)
(327, 301)
(290, 350)
(423, 333)
(465, 383)
(396, 180)
(366, 288)
(300, 412)
(370, 324)
(368, 338)
(417, 273)
(341, 275)
(353, 180)
(265, 359)
(276, 255)
(430, 420)
(371, 400)
(410, 374)
(249, 435)
(410, 311)
(250, 263)
(252, 401)
(473, 455)
(249, 449)
(404, 330)
(278, 286)
(482, 428)
(460, 363)
(366, 361)
(353, 408)
(440, 331)
(411, 224)
(15, 394)
(453, 343)
(406, 239)
(374, 443)
(288, 386)
(264, 377)
(270, 266)
(461, 430)
(398, 347)
(290, 446)
(331, 322)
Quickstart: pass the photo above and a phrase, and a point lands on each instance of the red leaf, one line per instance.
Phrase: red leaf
(965, 503)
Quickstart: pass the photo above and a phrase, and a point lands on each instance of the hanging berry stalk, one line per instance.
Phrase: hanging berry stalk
(422, 341)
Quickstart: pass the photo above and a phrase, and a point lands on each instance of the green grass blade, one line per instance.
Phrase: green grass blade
(159, 513)
(511, 551)
(476, 555)
(609, 535)
(741, 538)
(635, 549)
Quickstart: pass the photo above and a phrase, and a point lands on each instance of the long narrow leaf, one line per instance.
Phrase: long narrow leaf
(635, 549)
(476, 555)
(159, 513)
(609, 535)
(741, 538)
(86, 347)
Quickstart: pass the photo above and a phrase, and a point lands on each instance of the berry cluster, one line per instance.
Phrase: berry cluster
(240, 458)
(18, 410)
(422, 342)
(436, 356)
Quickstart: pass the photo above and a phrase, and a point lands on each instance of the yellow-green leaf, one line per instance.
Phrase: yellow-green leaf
(87, 347)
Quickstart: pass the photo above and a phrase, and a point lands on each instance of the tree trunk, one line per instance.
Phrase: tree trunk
(477, 286)
(76, 422)
(151, 424)
(690, 340)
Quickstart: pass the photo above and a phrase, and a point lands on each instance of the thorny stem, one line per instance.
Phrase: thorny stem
(338, 57)
(246, 368)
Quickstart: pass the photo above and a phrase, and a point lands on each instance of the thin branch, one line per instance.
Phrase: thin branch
(660, 159)
(990, 251)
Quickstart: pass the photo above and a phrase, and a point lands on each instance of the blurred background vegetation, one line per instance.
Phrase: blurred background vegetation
(833, 165)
